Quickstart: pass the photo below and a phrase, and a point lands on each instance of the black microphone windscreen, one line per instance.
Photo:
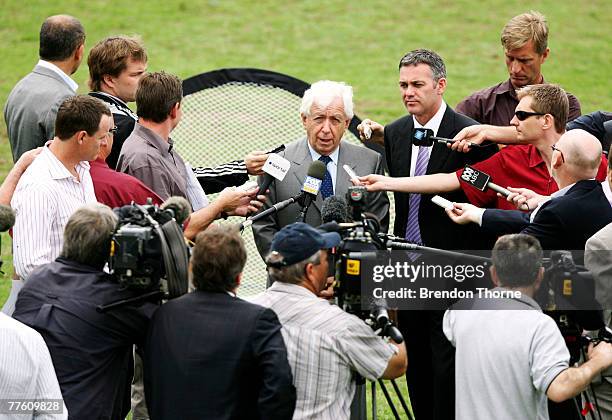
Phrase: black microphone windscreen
(7, 218)
(334, 208)
(317, 169)
(179, 206)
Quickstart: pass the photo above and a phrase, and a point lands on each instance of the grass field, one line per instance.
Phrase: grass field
(357, 42)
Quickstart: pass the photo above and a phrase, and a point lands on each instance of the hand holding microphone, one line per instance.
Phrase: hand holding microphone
(309, 192)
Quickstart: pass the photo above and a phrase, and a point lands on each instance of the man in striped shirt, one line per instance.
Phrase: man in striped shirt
(57, 183)
(325, 345)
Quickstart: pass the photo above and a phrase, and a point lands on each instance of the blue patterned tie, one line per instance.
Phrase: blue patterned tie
(413, 231)
(327, 187)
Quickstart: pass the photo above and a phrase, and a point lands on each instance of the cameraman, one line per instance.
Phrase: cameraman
(91, 351)
(325, 345)
(510, 359)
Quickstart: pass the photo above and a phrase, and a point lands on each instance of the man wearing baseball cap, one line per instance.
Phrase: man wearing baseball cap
(325, 345)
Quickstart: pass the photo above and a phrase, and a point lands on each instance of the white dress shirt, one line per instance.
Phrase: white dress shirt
(46, 196)
(332, 167)
(26, 371)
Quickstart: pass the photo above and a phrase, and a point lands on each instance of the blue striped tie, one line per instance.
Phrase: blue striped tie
(413, 231)
(327, 187)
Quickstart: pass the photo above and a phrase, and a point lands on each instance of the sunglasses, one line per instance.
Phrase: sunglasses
(523, 115)
(554, 147)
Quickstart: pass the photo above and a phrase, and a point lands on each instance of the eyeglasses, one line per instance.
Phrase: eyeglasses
(114, 130)
(554, 147)
(523, 115)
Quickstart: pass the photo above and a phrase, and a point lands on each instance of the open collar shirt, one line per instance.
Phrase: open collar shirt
(46, 196)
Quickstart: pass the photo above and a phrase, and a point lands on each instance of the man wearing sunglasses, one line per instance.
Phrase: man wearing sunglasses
(539, 122)
(571, 216)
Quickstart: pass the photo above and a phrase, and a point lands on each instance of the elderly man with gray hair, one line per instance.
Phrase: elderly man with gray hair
(91, 351)
(326, 111)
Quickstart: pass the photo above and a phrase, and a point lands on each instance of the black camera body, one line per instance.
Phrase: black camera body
(148, 251)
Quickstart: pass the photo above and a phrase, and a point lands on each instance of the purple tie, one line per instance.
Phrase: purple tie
(413, 232)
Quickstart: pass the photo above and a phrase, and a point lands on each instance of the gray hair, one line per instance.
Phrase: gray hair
(324, 92)
(293, 274)
(88, 234)
(422, 56)
(517, 259)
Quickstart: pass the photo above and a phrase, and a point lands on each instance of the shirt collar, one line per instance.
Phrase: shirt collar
(535, 159)
(57, 170)
(562, 191)
(315, 155)
(73, 85)
(606, 188)
(435, 121)
(154, 139)
(506, 87)
(292, 289)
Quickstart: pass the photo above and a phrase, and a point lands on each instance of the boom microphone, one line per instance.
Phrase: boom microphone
(180, 207)
(7, 218)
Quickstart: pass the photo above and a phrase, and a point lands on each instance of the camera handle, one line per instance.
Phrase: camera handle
(157, 294)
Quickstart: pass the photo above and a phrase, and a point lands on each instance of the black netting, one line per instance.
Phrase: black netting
(229, 113)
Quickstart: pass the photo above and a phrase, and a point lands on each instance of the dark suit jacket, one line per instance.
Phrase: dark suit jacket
(564, 222)
(215, 356)
(437, 230)
(31, 109)
(363, 161)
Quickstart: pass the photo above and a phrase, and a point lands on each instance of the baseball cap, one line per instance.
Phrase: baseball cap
(298, 241)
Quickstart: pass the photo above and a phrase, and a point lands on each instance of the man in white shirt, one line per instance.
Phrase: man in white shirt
(33, 103)
(56, 184)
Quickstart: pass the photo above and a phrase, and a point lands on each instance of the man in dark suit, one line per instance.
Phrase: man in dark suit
(211, 355)
(568, 218)
(33, 103)
(422, 82)
(326, 111)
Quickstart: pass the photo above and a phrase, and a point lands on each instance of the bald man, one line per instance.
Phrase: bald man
(567, 218)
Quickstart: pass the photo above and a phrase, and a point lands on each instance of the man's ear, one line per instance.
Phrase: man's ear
(539, 278)
(80, 135)
(549, 122)
(238, 279)
(494, 276)
(108, 80)
(303, 117)
(78, 53)
(556, 161)
(441, 86)
(175, 109)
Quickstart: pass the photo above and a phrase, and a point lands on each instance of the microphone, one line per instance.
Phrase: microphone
(265, 183)
(334, 209)
(481, 180)
(425, 137)
(7, 218)
(180, 208)
(311, 186)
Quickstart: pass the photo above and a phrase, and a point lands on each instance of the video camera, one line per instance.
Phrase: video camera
(360, 240)
(149, 252)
